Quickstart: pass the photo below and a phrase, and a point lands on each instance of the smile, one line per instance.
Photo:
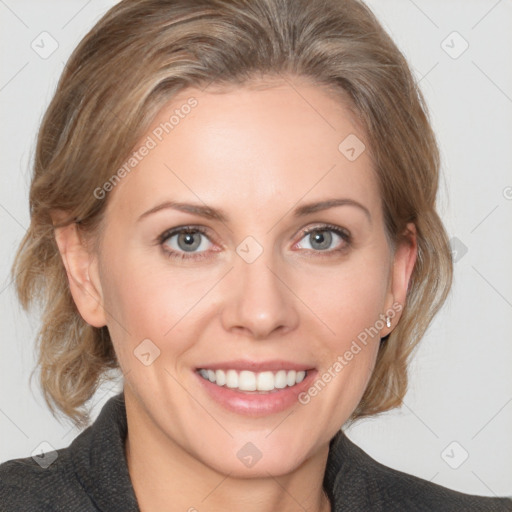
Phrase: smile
(246, 380)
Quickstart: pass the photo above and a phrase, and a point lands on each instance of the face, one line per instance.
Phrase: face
(245, 285)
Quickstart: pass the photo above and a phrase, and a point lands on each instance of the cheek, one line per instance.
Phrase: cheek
(348, 298)
(141, 302)
(350, 306)
(349, 301)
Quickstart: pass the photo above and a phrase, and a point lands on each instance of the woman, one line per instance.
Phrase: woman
(234, 204)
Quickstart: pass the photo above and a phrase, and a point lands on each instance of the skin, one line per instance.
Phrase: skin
(257, 153)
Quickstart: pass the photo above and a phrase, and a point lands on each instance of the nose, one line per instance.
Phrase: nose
(259, 303)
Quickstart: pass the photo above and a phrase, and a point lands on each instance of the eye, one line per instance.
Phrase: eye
(192, 242)
(322, 238)
(185, 242)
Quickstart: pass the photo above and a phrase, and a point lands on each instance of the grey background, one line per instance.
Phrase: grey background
(460, 399)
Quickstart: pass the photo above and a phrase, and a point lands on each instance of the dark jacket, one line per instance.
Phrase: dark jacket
(92, 475)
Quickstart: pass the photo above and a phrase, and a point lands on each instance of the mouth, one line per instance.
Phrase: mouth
(255, 389)
(249, 381)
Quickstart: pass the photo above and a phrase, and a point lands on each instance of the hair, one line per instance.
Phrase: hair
(131, 63)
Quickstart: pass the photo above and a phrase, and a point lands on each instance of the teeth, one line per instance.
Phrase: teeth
(220, 377)
(280, 379)
(231, 379)
(265, 381)
(251, 381)
(290, 378)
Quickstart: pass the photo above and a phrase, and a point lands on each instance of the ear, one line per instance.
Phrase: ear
(82, 271)
(403, 264)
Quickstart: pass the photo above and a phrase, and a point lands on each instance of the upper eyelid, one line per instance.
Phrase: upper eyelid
(168, 233)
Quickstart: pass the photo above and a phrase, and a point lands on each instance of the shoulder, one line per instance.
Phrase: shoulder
(31, 485)
(356, 477)
(89, 475)
(414, 493)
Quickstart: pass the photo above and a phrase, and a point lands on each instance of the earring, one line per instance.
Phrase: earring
(388, 322)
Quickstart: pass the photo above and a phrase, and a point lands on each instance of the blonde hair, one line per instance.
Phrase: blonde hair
(140, 54)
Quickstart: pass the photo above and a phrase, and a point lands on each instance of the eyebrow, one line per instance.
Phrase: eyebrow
(218, 214)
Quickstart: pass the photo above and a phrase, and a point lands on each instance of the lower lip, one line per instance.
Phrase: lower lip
(254, 403)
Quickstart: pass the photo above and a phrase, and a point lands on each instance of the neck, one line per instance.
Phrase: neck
(163, 474)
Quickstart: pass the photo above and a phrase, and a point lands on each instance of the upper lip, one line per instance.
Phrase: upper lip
(256, 366)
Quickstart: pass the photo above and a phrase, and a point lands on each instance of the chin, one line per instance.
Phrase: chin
(255, 455)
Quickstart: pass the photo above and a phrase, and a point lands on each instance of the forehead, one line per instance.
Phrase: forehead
(249, 146)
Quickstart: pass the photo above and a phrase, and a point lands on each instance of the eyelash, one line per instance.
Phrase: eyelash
(342, 233)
